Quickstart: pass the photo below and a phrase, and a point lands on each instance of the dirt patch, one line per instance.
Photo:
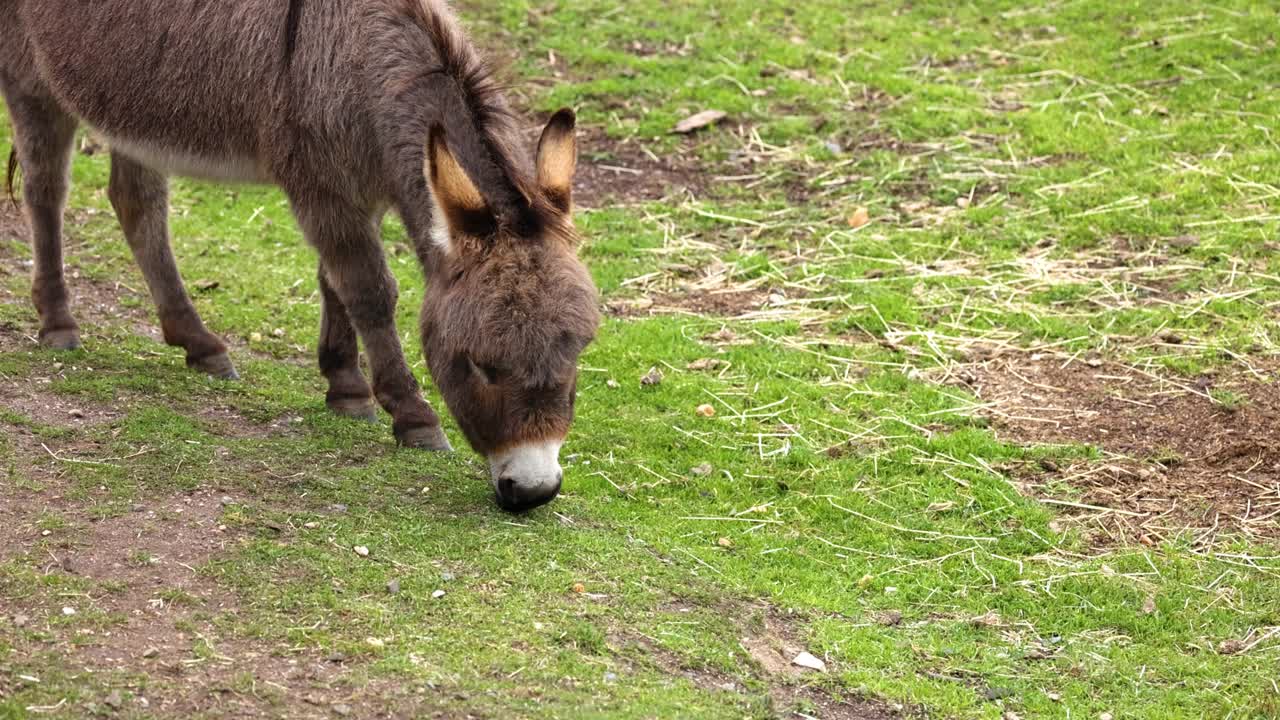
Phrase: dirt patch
(770, 640)
(1200, 454)
(160, 626)
(612, 171)
(718, 303)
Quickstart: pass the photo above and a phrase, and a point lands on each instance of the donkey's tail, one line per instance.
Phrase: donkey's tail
(9, 175)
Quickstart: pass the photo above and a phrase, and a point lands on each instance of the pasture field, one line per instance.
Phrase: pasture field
(981, 300)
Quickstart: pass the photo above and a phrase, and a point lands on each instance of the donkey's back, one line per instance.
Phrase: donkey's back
(223, 90)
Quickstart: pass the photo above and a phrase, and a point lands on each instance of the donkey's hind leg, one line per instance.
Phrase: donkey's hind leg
(44, 135)
(140, 197)
(339, 356)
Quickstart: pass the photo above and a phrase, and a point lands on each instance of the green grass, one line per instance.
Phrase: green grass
(1089, 155)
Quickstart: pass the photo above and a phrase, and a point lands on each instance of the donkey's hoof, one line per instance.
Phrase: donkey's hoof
(66, 339)
(424, 437)
(357, 408)
(216, 366)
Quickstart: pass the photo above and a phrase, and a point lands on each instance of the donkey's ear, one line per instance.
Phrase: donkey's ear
(459, 206)
(557, 158)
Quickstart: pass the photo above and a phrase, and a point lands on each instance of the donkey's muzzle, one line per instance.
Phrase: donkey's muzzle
(515, 497)
(526, 476)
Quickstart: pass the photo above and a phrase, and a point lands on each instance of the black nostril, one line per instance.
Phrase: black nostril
(506, 488)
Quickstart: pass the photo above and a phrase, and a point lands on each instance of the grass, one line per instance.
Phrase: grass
(1087, 176)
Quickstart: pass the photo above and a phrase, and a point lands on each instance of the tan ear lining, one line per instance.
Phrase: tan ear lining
(557, 158)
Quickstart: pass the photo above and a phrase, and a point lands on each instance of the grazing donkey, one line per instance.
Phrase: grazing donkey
(352, 108)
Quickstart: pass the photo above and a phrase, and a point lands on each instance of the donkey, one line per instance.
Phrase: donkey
(352, 109)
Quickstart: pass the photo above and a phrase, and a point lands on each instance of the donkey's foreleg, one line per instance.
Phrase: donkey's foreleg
(43, 140)
(140, 197)
(339, 356)
(351, 261)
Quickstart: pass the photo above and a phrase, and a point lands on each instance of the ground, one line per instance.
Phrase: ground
(981, 297)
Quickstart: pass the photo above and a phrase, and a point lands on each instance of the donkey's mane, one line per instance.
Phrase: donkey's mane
(480, 126)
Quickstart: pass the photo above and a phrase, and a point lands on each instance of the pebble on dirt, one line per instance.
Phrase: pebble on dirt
(808, 660)
(702, 470)
(150, 652)
(890, 618)
(361, 550)
(706, 410)
(437, 594)
(697, 121)
(653, 377)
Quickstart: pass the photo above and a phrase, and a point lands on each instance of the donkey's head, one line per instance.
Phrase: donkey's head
(508, 309)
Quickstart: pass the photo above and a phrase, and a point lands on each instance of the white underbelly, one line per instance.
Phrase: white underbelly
(170, 162)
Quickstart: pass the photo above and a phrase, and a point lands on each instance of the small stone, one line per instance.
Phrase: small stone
(437, 594)
(374, 642)
(996, 693)
(1149, 605)
(255, 337)
(611, 383)
(1230, 647)
(21, 620)
(1010, 715)
(702, 470)
(335, 657)
(611, 678)
(579, 588)
(446, 576)
(46, 533)
(393, 586)
(341, 710)
(338, 507)
(227, 500)
(725, 542)
(706, 410)
(115, 700)
(808, 660)
(860, 217)
(890, 618)
(890, 590)
(833, 147)
(278, 332)
(1105, 716)
(1053, 696)
(68, 611)
(150, 652)
(76, 413)
(311, 525)
(1048, 465)
(361, 550)
(653, 377)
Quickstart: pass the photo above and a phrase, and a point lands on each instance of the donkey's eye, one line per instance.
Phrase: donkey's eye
(487, 373)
